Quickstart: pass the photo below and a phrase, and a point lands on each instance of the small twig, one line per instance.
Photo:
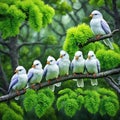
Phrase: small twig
(62, 79)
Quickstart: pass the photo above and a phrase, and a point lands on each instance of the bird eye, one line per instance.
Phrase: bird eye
(79, 55)
(20, 70)
(64, 54)
(51, 60)
(37, 64)
(95, 14)
(92, 55)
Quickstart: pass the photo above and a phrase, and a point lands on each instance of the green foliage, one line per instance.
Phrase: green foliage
(92, 101)
(100, 3)
(36, 13)
(11, 112)
(71, 107)
(39, 101)
(109, 102)
(76, 36)
(51, 40)
(69, 101)
(101, 100)
(63, 8)
(108, 59)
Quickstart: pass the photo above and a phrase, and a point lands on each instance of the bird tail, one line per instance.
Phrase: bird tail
(80, 83)
(108, 43)
(58, 84)
(52, 87)
(94, 82)
(17, 98)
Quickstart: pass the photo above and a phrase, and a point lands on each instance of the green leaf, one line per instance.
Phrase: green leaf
(71, 107)
(61, 101)
(92, 101)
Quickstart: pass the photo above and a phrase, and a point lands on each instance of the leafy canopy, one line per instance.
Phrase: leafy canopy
(15, 13)
(39, 101)
(102, 100)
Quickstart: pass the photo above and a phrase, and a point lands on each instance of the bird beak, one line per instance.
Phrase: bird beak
(16, 71)
(61, 56)
(91, 15)
(48, 62)
(76, 57)
(33, 66)
(89, 56)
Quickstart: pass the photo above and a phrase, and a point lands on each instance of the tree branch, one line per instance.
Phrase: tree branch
(62, 79)
(101, 38)
(112, 84)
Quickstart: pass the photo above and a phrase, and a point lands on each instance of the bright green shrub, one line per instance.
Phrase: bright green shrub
(92, 101)
(11, 111)
(77, 36)
(108, 59)
(39, 101)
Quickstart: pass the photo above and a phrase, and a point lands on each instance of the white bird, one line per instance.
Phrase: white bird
(35, 73)
(64, 64)
(78, 66)
(100, 27)
(92, 66)
(51, 70)
(19, 80)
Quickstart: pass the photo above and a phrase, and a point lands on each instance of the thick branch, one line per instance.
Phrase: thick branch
(62, 79)
(101, 38)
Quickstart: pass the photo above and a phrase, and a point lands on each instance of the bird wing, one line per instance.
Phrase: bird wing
(71, 66)
(58, 61)
(30, 75)
(98, 65)
(14, 80)
(45, 71)
(105, 26)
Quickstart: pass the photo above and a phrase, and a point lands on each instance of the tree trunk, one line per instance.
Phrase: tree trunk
(13, 52)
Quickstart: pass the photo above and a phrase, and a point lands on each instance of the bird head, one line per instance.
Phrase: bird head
(91, 55)
(64, 54)
(96, 14)
(37, 64)
(78, 55)
(20, 70)
(51, 60)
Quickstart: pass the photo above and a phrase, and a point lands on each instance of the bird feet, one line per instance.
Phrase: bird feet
(32, 86)
(94, 75)
(98, 36)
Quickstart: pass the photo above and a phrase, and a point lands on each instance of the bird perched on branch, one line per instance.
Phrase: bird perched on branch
(100, 27)
(92, 66)
(35, 73)
(18, 81)
(51, 70)
(78, 66)
(64, 64)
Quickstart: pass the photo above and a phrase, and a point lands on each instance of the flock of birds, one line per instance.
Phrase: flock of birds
(62, 66)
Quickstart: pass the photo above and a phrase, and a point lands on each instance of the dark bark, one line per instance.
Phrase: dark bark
(13, 52)
(104, 74)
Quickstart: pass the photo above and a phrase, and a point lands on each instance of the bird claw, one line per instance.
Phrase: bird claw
(18, 93)
(98, 36)
(94, 75)
(48, 81)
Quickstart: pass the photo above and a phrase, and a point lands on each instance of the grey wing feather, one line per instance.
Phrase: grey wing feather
(45, 71)
(105, 26)
(98, 65)
(14, 80)
(30, 75)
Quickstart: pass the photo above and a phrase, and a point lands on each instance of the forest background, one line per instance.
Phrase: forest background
(35, 29)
